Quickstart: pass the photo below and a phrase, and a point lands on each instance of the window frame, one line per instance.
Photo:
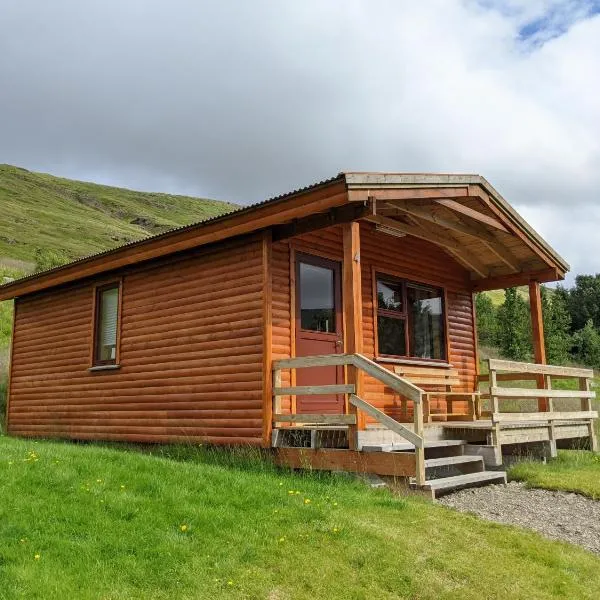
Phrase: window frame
(406, 316)
(98, 290)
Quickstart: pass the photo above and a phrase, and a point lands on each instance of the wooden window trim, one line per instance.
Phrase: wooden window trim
(95, 362)
(404, 315)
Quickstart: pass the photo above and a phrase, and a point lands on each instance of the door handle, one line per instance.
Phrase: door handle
(338, 342)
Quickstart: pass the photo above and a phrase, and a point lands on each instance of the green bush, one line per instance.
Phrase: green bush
(586, 344)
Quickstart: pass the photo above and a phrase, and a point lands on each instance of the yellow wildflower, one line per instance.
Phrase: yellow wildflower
(37, 557)
(183, 528)
(306, 500)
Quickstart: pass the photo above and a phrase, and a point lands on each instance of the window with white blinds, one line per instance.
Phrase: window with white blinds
(107, 322)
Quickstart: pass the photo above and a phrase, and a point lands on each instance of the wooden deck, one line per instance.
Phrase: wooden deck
(411, 449)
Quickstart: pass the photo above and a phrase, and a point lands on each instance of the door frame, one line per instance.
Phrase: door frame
(296, 257)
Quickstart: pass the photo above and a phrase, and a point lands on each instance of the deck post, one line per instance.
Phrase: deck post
(537, 330)
(495, 408)
(586, 405)
(550, 405)
(352, 302)
(419, 452)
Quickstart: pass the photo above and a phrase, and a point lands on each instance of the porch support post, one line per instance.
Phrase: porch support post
(352, 301)
(537, 330)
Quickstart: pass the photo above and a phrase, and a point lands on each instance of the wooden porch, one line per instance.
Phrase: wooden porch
(542, 406)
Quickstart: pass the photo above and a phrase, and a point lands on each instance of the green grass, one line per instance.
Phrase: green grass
(572, 471)
(106, 523)
(72, 218)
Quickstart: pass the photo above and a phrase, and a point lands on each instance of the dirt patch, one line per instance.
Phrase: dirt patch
(556, 515)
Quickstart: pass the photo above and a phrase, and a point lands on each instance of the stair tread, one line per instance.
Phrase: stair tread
(408, 446)
(459, 480)
(452, 460)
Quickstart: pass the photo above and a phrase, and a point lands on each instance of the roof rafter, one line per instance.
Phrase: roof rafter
(439, 238)
(472, 214)
(475, 230)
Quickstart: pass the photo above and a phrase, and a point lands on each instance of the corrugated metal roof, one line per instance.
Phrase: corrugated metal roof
(352, 180)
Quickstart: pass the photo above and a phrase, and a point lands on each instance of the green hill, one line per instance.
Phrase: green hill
(70, 219)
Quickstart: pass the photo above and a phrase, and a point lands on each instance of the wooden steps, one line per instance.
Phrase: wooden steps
(408, 447)
(446, 485)
(449, 464)
(447, 467)
(447, 461)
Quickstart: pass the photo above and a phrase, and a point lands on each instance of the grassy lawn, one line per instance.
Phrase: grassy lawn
(110, 523)
(572, 471)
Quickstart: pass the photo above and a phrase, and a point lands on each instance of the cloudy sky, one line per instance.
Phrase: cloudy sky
(241, 100)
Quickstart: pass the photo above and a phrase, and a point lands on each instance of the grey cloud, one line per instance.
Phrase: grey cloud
(242, 100)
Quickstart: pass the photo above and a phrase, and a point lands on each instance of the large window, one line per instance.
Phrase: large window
(410, 319)
(106, 324)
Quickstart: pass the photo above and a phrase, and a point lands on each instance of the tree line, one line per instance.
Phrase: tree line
(571, 323)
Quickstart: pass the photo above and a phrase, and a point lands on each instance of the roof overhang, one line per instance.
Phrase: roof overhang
(467, 217)
(461, 213)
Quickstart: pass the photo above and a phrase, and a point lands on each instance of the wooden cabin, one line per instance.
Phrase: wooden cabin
(335, 322)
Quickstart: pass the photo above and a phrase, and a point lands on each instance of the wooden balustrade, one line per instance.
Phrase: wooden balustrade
(510, 371)
(355, 403)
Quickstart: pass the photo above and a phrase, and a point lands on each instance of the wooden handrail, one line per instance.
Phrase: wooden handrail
(390, 423)
(321, 360)
(397, 383)
(539, 393)
(556, 371)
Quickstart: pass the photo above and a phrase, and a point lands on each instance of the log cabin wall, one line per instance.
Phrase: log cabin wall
(422, 262)
(191, 353)
(406, 257)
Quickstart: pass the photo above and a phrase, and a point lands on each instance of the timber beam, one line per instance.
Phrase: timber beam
(334, 216)
(451, 198)
(507, 281)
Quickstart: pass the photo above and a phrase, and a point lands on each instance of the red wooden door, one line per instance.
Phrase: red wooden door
(318, 329)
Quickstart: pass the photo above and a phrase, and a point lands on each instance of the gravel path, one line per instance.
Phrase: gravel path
(556, 515)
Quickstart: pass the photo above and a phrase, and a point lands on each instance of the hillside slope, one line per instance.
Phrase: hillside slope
(75, 218)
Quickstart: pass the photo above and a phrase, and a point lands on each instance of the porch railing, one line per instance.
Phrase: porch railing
(355, 403)
(543, 395)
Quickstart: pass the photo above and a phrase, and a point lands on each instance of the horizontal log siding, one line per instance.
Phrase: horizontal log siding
(419, 261)
(281, 315)
(191, 355)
